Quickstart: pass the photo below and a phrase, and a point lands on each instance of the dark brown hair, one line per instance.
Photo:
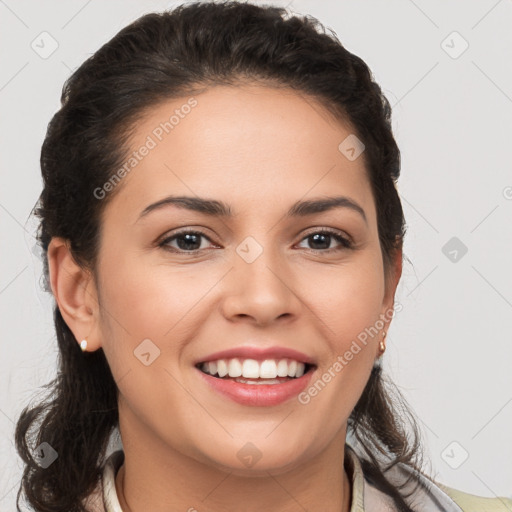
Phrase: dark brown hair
(158, 57)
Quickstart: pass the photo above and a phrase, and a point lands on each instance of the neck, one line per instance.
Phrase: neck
(160, 478)
(255, 498)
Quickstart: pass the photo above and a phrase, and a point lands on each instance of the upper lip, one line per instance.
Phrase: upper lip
(259, 354)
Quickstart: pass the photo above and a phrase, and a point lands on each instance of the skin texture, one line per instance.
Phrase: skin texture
(258, 149)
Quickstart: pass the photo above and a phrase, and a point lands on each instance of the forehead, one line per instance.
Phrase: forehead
(249, 145)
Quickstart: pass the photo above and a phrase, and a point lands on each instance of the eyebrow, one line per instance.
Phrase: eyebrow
(215, 208)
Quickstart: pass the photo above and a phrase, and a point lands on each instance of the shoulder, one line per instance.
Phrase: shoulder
(419, 491)
(448, 498)
(460, 501)
(471, 503)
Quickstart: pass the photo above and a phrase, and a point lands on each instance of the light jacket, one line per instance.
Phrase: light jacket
(427, 496)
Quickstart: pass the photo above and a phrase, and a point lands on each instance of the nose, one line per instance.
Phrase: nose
(260, 291)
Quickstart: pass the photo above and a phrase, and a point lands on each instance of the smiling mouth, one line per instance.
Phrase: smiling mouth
(251, 371)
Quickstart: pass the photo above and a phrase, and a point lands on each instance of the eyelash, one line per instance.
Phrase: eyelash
(345, 242)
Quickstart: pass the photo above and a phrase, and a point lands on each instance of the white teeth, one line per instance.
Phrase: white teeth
(282, 368)
(222, 368)
(268, 369)
(212, 367)
(252, 369)
(256, 382)
(234, 368)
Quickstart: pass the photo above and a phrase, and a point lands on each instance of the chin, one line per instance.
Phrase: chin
(251, 461)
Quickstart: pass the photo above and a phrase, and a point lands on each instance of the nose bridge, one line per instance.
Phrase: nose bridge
(257, 261)
(258, 285)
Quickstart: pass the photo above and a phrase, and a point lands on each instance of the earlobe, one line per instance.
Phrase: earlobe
(74, 292)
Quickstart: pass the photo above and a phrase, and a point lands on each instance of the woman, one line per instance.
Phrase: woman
(224, 242)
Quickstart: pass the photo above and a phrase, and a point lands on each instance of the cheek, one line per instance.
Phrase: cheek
(349, 309)
(348, 298)
(150, 298)
(152, 301)
(348, 302)
(144, 308)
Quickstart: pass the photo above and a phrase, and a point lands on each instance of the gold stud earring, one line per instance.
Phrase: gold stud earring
(382, 344)
(83, 345)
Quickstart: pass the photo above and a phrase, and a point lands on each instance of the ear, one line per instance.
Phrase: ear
(75, 293)
(392, 279)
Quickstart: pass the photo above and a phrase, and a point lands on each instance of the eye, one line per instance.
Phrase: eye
(188, 241)
(324, 237)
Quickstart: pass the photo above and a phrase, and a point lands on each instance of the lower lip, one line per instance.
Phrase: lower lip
(262, 395)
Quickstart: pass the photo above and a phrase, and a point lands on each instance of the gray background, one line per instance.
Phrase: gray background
(450, 348)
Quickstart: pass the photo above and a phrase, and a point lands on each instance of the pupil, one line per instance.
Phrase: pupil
(188, 241)
(324, 236)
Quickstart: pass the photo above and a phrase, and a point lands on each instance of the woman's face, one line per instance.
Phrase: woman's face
(256, 279)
